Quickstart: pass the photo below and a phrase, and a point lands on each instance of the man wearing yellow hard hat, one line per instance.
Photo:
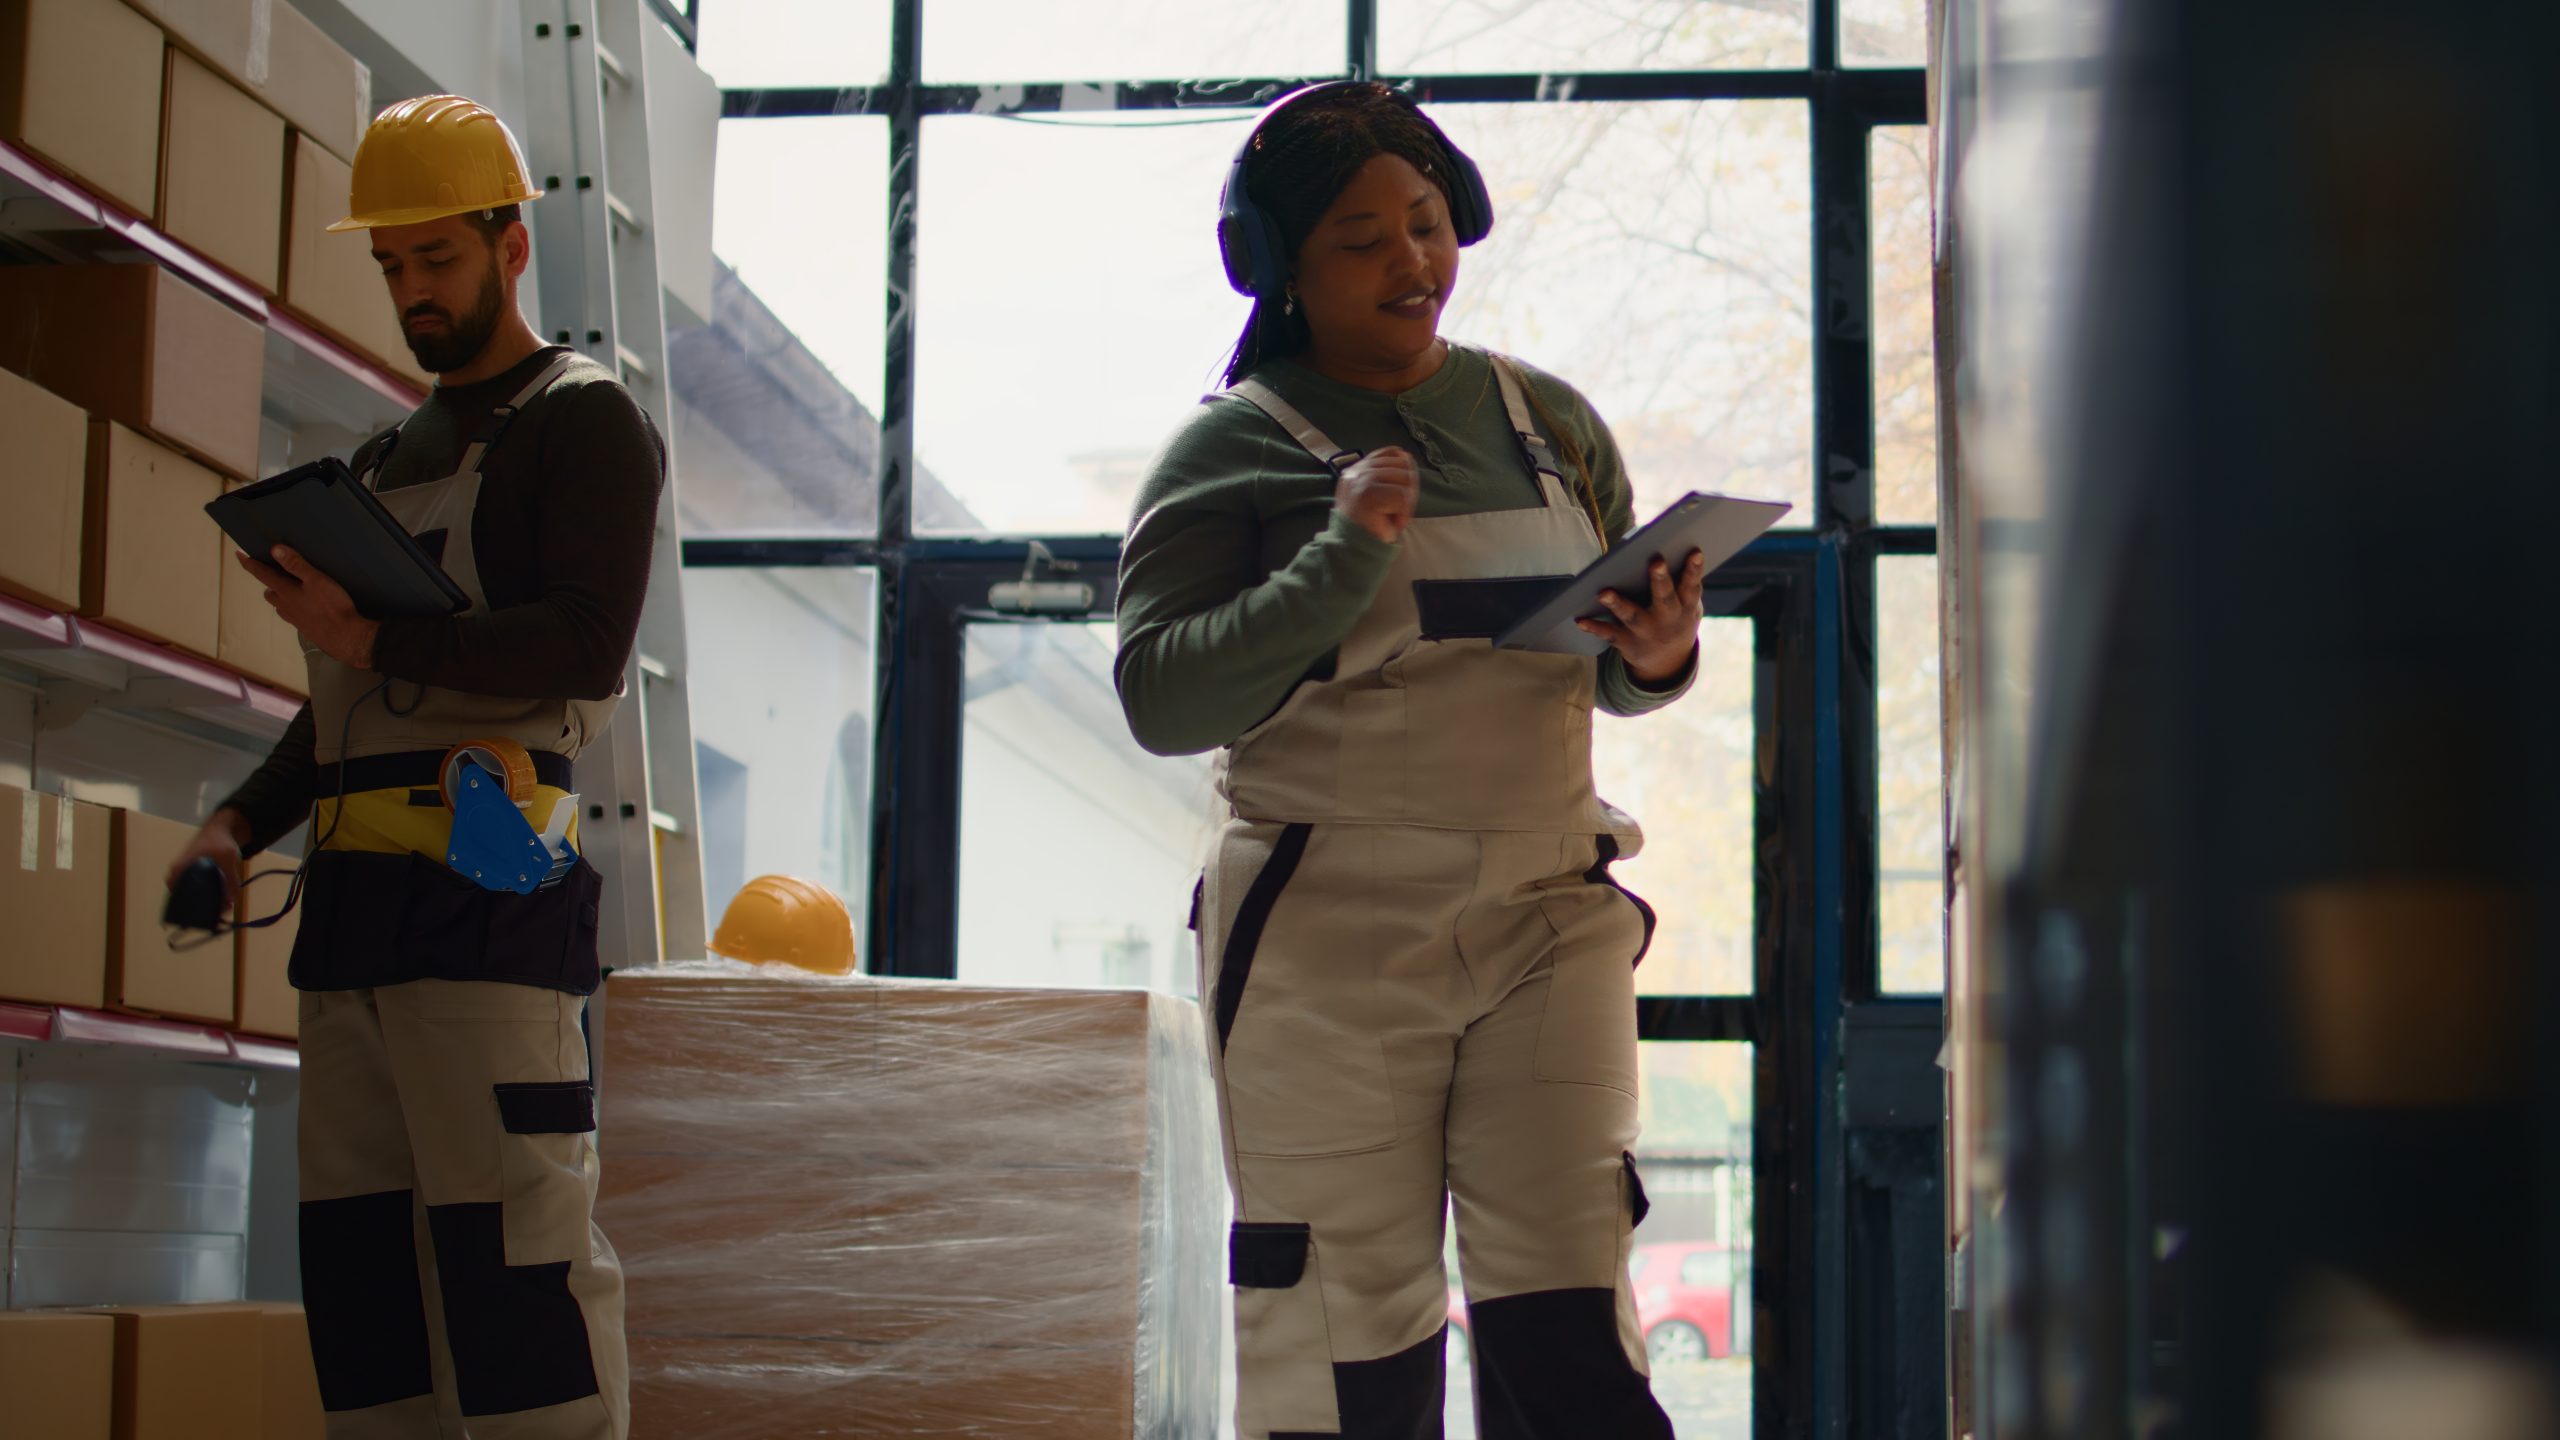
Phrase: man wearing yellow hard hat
(452, 1273)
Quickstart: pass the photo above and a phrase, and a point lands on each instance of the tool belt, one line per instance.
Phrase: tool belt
(377, 912)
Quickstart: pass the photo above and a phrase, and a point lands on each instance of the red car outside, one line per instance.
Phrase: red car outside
(1684, 1301)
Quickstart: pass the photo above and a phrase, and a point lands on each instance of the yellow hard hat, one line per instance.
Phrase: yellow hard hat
(785, 920)
(434, 156)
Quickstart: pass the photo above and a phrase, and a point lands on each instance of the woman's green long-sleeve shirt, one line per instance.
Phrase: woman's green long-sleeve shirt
(1239, 577)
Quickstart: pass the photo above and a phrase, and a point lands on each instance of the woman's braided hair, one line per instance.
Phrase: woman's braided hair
(1298, 165)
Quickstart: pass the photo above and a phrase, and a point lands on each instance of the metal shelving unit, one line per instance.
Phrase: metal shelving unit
(311, 379)
(77, 665)
(102, 715)
(142, 1035)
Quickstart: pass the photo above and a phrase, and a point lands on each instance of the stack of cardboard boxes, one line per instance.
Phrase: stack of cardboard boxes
(129, 397)
(228, 125)
(211, 119)
(906, 1209)
(159, 1372)
(82, 885)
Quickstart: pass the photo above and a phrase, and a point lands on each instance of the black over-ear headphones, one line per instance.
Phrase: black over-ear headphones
(1250, 240)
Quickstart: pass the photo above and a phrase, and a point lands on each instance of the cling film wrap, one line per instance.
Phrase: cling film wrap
(1182, 1243)
(861, 1207)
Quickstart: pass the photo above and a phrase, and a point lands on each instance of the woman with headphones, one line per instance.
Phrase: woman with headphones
(1423, 977)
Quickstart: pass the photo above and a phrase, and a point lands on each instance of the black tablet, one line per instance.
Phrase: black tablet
(324, 512)
(1717, 526)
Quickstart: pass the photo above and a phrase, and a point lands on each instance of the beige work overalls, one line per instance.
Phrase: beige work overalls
(1424, 992)
(453, 1279)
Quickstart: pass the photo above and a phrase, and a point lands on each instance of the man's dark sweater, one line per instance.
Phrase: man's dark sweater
(562, 537)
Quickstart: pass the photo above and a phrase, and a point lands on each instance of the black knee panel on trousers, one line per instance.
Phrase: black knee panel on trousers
(519, 1340)
(361, 1299)
(1549, 1365)
(1399, 1397)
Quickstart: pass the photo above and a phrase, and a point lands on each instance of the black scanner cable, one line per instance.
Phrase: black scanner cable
(221, 928)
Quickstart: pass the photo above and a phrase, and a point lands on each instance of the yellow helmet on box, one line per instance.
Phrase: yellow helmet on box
(785, 920)
(434, 156)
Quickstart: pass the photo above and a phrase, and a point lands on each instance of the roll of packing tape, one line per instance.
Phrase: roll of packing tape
(502, 759)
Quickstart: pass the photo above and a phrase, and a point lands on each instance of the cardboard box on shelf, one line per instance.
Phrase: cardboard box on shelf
(150, 564)
(80, 86)
(58, 1370)
(267, 1003)
(138, 345)
(54, 864)
(332, 280)
(313, 82)
(187, 1372)
(144, 974)
(276, 53)
(48, 478)
(225, 34)
(222, 162)
(289, 1406)
(254, 639)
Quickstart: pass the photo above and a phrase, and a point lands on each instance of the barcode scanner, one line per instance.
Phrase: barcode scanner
(200, 898)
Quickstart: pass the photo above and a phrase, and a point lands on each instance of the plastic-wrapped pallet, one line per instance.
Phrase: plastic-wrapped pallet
(852, 1207)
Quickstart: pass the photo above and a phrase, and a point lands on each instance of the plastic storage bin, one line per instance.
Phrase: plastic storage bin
(131, 1179)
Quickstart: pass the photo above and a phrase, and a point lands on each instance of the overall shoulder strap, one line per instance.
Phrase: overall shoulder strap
(368, 458)
(1300, 428)
(506, 414)
(1524, 422)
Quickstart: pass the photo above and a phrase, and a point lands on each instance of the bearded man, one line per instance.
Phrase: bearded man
(453, 1277)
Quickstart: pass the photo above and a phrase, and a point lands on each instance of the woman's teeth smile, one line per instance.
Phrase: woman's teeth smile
(1416, 303)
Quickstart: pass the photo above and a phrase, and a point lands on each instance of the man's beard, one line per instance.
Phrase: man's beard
(462, 340)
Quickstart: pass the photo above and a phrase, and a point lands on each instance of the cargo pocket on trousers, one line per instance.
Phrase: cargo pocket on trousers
(1370, 775)
(1632, 1208)
(1588, 1034)
(1284, 1350)
(546, 1164)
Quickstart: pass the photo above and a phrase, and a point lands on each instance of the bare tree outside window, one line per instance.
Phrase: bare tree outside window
(1481, 37)
(1884, 32)
(1906, 370)
(1657, 257)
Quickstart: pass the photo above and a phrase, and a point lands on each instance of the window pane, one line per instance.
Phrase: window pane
(1478, 37)
(1078, 850)
(1692, 1257)
(748, 44)
(1691, 1264)
(1884, 32)
(1684, 772)
(1910, 819)
(1131, 39)
(785, 770)
(1047, 374)
(1656, 256)
(1906, 370)
(777, 392)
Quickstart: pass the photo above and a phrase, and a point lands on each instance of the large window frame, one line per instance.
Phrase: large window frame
(1810, 596)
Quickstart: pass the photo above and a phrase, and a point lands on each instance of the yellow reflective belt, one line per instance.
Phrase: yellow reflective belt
(386, 822)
